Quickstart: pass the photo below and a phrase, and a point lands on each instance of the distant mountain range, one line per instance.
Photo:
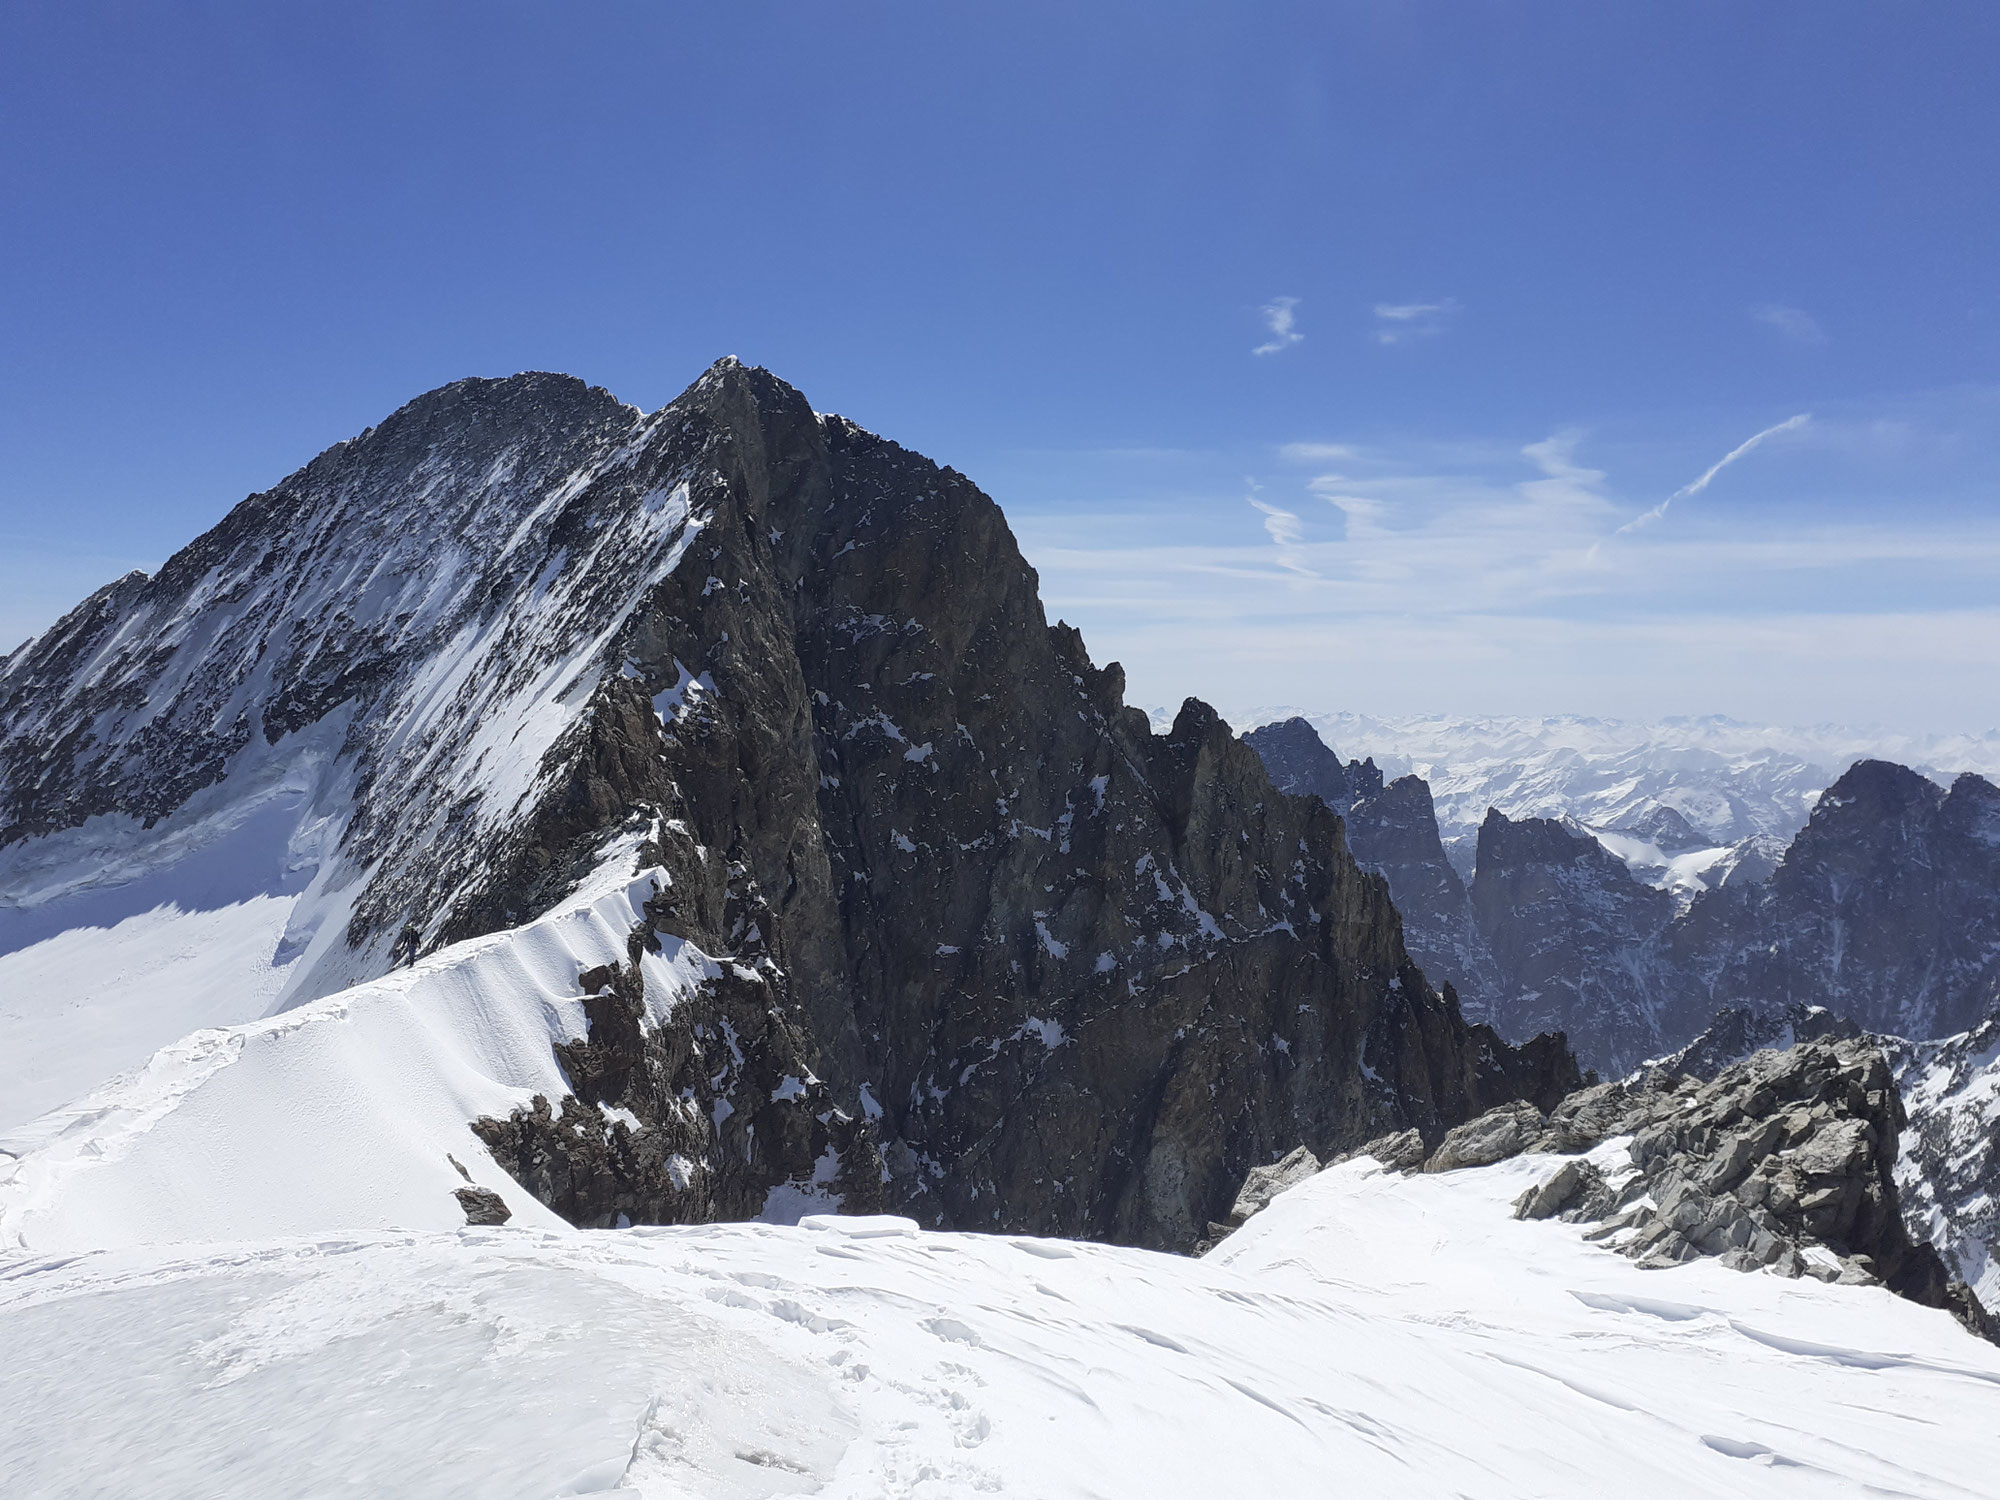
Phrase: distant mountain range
(1655, 793)
(1881, 904)
(1880, 914)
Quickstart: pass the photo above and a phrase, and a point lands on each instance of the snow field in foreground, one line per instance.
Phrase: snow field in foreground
(1367, 1334)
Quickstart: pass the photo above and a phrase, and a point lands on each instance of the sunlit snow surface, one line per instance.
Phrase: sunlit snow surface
(116, 939)
(1366, 1335)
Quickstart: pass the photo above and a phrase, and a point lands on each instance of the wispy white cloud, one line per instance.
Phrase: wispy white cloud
(1402, 322)
(1280, 316)
(1285, 527)
(1472, 575)
(1286, 530)
(1790, 424)
(1793, 323)
(1453, 592)
(1315, 453)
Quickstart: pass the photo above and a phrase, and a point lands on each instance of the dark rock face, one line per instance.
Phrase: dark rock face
(1301, 765)
(1393, 831)
(1780, 1155)
(1885, 909)
(984, 948)
(1570, 929)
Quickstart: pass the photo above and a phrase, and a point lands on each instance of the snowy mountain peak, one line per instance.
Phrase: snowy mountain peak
(963, 907)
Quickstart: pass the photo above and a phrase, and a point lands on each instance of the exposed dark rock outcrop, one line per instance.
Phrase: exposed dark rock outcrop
(1569, 928)
(483, 1205)
(1393, 831)
(696, 1118)
(1784, 1160)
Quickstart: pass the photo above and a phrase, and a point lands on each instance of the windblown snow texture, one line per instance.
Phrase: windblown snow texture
(1010, 959)
(1367, 1332)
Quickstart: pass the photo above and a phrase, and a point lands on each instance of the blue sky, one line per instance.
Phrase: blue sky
(1319, 353)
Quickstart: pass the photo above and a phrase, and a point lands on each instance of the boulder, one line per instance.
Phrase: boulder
(1402, 1152)
(1265, 1183)
(1589, 1116)
(1780, 1154)
(1574, 1180)
(483, 1205)
(1494, 1136)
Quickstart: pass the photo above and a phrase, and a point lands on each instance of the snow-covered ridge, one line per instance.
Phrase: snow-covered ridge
(343, 1115)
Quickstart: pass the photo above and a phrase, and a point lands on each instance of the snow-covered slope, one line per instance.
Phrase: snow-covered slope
(1367, 1334)
(116, 939)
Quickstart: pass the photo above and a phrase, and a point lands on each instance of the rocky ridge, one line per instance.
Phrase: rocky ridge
(1948, 1168)
(1392, 829)
(1783, 1161)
